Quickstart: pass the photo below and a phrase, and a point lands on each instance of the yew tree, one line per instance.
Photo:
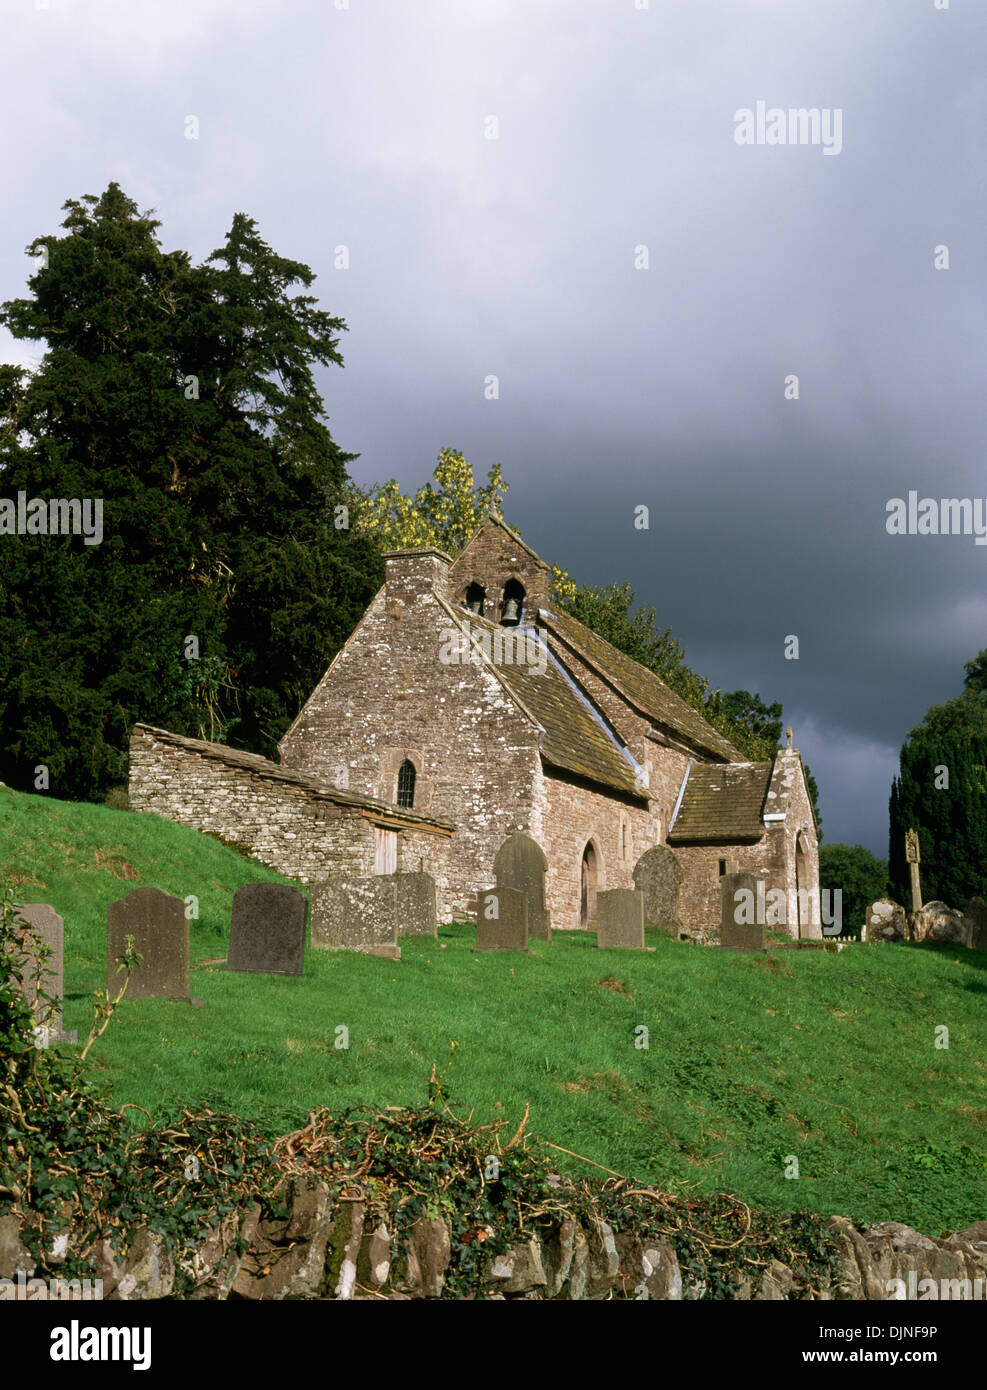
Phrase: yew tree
(182, 396)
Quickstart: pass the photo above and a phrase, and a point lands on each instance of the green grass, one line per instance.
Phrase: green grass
(829, 1058)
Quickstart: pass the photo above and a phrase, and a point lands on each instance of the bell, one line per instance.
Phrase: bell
(510, 612)
(477, 607)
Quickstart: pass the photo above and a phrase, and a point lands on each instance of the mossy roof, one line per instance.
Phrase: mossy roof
(576, 739)
(639, 686)
(722, 804)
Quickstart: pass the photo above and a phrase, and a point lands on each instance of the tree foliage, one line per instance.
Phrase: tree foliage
(444, 514)
(941, 791)
(182, 397)
(860, 876)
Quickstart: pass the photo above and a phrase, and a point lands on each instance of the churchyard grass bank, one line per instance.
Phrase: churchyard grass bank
(803, 1079)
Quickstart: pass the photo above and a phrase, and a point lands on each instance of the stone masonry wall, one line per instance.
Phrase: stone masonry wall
(289, 829)
(323, 1248)
(773, 858)
(800, 817)
(388, 697)
(282, 826)
(699, 896)
(491, 558)
(566, 818)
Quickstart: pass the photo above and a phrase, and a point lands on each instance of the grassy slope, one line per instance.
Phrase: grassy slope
(828, 1058)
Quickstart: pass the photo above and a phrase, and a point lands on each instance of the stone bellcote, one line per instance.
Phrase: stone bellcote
(496, 568)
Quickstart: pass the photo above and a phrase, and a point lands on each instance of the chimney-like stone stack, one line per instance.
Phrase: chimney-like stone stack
(413, 573)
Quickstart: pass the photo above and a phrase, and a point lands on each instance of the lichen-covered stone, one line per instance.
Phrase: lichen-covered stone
(14, 1255)
(937, 922)
(287, 1258)
(885, 921)
(427, 1254)
(518, 1270)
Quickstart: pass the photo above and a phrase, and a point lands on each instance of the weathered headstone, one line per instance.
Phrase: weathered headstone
(938, 922)
(739, 899)
(885, 921)
(44, 974)
(416, 904)
(501, 920)
(359, 914)
(658, 875)
(620, 919)
(158, 924)
(520, 863)
(267, 929)
(976, 912)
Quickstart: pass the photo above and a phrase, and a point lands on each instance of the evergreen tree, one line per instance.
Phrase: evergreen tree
(941, 791)
(182, 398)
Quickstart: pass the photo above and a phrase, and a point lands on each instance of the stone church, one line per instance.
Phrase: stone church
(464, 707)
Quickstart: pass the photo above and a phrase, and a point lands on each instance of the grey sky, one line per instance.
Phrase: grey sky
(364, 127)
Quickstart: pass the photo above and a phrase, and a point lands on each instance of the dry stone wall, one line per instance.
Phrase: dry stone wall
(318, 1247)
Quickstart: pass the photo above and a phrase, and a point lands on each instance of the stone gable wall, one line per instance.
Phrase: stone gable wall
(773, 858)
(490, 559)
(800, 817)
(389, 696)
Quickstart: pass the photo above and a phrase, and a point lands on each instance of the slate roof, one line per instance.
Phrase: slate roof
(274, 772)
(722, 804)
(575, 739)
(641, 687)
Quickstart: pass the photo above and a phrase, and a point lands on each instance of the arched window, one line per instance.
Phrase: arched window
(512, 608)
(406, 784)
(476, 596)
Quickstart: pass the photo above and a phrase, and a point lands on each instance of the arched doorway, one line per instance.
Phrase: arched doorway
(589, 876)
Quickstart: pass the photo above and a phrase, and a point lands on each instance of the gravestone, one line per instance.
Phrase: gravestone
(745, 935)
(939, 922)
(360, 914)
(885, 921)
(520, 863)
(416, 904)
(658, 875)
(501, 920)
(620, 919)
(158, 924)
(976, 911)
(46, 975)
(267, 929)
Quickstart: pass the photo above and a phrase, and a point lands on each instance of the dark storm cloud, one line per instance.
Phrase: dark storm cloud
(364, 127)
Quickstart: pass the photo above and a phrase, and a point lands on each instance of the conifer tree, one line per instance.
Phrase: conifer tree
(941, 791)
(182, 398)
